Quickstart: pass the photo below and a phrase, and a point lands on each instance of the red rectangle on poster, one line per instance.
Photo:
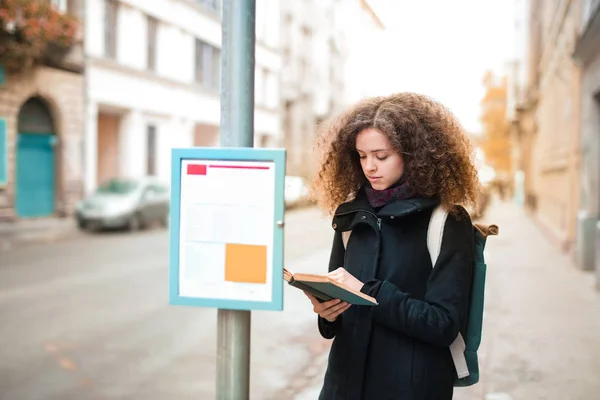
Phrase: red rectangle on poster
(196, 169)
(238, 166)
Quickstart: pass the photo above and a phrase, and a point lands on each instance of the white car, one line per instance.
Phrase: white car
(125, 203)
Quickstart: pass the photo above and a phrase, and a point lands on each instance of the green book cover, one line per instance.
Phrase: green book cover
(325, 288)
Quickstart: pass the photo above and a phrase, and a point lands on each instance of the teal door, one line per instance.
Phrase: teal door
(35, 175)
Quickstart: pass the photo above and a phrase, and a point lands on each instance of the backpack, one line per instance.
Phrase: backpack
(463, 350)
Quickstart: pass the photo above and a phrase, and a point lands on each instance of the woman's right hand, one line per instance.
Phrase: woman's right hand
(328, 310)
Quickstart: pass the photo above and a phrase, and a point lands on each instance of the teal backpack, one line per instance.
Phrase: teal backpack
(463, 350)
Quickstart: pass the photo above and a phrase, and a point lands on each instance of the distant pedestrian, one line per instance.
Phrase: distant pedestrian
(388, 162)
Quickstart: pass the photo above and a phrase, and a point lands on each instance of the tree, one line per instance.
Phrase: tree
(495, 142)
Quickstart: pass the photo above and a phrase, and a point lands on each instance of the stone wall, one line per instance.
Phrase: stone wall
(63, 91)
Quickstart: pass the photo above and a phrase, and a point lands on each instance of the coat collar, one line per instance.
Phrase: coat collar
(395, 209)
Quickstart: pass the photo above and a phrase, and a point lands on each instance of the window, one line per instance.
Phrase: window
(110, 28)
(118, 186)
(151, 150)
(208, 65)
(216, 69)
(152, 36)
(199, 64)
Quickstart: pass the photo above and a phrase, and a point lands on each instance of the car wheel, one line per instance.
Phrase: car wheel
(135, 223)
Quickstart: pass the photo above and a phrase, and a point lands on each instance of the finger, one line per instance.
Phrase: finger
(341, 310)
(335, 306)
(333, 316)
(334, 310)
(330, 303)
(312, 298)
(321, 307)
(336, 276)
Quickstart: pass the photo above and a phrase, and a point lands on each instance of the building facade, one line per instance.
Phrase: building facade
(587, 55)
(548, 115)
(522, 99)
(324, 56)
(153, 80)
(41, 126)
(311, 53)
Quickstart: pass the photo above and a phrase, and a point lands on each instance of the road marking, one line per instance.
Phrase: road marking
(67, 364)
(498, 396)
(50, 348)
(57, 350)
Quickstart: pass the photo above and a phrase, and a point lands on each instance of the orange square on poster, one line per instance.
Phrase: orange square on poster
(245, 263)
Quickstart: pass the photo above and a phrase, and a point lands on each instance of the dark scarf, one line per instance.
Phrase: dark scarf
(380, 198)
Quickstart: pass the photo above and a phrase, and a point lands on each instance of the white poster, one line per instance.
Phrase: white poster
(226, 229)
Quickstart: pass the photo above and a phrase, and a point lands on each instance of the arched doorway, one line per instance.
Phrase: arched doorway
(35, 158)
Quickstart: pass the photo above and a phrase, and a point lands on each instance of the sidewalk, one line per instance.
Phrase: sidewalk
(35, 230)
(45, 230)
(541, 335)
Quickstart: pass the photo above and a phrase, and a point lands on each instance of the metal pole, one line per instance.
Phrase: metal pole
(237, 83)
(237, 130)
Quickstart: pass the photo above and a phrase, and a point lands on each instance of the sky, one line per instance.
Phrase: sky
(442, 48)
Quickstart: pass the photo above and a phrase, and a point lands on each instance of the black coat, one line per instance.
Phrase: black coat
(400, 348)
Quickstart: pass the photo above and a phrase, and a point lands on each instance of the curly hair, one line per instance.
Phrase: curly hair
(438, 157)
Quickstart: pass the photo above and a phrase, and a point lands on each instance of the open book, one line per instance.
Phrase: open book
(325, 288)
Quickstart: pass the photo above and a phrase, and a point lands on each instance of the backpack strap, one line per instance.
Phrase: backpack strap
(346, 237)
(435, 233)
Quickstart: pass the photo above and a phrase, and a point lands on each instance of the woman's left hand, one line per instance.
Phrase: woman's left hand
(346, 278)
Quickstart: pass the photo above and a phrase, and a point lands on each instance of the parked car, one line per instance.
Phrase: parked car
(125, 203)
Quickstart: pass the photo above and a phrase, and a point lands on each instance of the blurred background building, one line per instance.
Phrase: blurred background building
(41, 109)
(143, 77)
(554, 116)
(153, 79)
(587, 57)
(323, 59)
(85, 102)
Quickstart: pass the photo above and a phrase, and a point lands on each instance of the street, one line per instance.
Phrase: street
(88, 318)
(541, 332)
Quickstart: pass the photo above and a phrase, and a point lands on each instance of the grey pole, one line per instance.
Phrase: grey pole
(237, 79)
(237, 130)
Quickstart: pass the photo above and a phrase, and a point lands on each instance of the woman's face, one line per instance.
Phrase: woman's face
(382, 165)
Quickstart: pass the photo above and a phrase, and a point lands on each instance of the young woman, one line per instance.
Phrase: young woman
(388, 162)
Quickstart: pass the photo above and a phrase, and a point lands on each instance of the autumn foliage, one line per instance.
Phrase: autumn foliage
(496, 139)
(33, 31)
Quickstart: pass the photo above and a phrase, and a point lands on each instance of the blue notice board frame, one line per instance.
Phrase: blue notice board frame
(278, 157)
